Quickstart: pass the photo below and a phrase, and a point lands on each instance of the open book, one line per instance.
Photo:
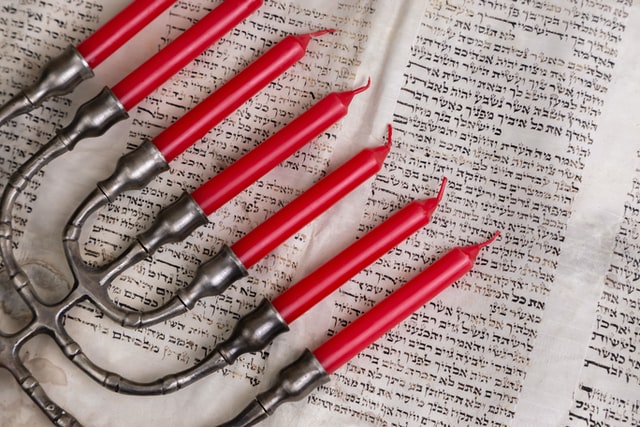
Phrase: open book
(529, 108)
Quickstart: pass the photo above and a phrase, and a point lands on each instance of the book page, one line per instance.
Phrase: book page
(562, 369)
(607, 391)
(511, 102)
(606, 388)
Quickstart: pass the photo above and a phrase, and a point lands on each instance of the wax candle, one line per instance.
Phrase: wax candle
(279, 227)
(232, 180)
(312, 369)
(143, 80)
(347, 343)
(295, 301)
(210, 112)
(117, 31)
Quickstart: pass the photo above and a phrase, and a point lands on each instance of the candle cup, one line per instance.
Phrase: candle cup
(252, 333)
(137, 168)
(74, 65)
(295, 382)
(59, 77)
(213, 277)
(312, 369)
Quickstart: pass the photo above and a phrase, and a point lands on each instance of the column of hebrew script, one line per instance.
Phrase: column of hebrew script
(607, 390)
(504, 99)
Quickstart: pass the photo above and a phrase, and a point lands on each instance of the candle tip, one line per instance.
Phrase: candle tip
(442, 187)
(304, 39)
(491, 240)
(474, 250)
(322, 32)
(347, 97)
(381, 152)
(363, 88)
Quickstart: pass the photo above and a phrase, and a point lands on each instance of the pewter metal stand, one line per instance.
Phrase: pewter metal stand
(91, 284)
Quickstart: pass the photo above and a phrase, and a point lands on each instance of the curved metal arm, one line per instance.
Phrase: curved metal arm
(31, 386)
(127, 318)
(252, 333)
(174, 223)
(17, 183)
(115, 382)
(10, 346)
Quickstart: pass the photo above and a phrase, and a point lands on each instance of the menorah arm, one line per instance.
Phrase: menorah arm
(58, 415)
(140, 319)
(92, 119)
(212, 278)
(16, 185)
(119, 384)
(134, 171)
(173, 224)
(252, 333)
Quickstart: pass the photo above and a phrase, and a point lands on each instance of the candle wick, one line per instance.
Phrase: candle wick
(488, 242)
(473, 250)
(363, 88)
(347, 97)
(322, 32)
(442, 187)
(389, 135)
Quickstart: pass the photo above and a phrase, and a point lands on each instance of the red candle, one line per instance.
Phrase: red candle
(343, 346)
(210, 112)
(279, 227)
(320, 283)
(232, 180)
(143, 80)
(116, 32)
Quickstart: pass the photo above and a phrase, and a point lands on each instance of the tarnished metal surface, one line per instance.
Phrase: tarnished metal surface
(91, 283)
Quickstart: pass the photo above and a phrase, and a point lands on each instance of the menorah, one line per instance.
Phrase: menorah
(177, 221)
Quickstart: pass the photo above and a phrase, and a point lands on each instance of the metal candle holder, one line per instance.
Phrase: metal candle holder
(59, 77)
(133, 171)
